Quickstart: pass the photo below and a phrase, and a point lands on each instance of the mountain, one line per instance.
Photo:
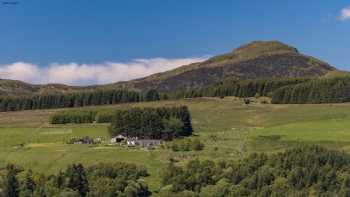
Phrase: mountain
(256, 60)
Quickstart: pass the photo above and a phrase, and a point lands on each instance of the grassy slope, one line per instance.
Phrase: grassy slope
(229, 129)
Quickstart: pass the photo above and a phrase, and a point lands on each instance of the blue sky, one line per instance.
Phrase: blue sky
(134, 38)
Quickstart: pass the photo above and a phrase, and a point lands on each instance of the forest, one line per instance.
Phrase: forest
(308, 170)
(245, 88)
(76, 99)
(239, 88)
(326, 90)
(152, 123)
(117, 179)
(281, 91)
(74, 117)
(304, 171)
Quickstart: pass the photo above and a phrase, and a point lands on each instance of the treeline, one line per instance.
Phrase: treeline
(304, 171)
(77, 99)
(245, 88)
(114, 180)
(73, 116)
(289, 90)
(82, 116)
(327, 90)
(152, 123)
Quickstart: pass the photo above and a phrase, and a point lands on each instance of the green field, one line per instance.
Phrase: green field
(229, 129)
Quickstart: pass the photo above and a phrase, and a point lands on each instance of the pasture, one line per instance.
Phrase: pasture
(228, 128)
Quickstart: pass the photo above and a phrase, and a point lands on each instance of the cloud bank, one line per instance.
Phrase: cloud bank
(87, 74)
(345, 14)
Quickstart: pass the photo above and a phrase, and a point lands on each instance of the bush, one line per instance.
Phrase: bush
(187, 145)
(197, 145)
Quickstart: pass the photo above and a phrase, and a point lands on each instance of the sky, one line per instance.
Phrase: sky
(82, 42)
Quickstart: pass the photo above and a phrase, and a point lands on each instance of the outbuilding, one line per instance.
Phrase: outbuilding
(118, 139)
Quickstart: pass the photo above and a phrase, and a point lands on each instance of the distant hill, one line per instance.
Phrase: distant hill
(256, 60)
(19, 88)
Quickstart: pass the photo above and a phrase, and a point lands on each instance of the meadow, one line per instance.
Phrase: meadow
(229, 129)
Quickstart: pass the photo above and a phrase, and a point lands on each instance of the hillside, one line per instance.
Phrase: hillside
(256, 60)
(229, 129)
(19, 88)
(260, 59)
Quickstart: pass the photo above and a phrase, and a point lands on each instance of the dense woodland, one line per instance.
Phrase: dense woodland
(289, 90)
(81, 116)
(282, 91)
(304, 171)
(73, 116)
(152, 123)
(147, 123)
(77, 99)
(244, 88)
(113, 180)
(326, 90)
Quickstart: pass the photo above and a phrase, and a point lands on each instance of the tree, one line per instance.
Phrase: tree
(28, 185)
(69, 193)
(152, 95)
(220, 189)
(172, 127)
(77, 179)
(152, 123)
(12, 186)
(102, 186)
(3, 184)
(136, 189)
(41, 187)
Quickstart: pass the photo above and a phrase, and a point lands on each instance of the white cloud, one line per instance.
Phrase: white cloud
(19, 70)
(345, 14)
(87, 74)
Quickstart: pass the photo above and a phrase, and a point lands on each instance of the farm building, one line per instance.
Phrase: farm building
(131, 141)
(135, 141)
(118, 139)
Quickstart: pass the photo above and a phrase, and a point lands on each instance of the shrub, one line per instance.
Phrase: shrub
(187, 145)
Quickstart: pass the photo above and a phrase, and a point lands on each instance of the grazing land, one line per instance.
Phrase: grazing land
(228, 128)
